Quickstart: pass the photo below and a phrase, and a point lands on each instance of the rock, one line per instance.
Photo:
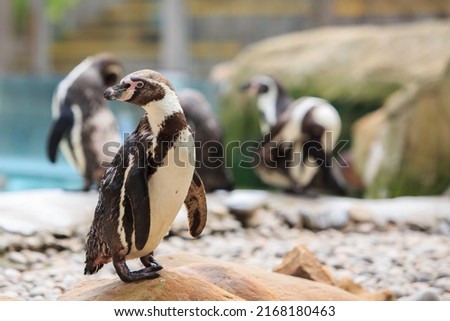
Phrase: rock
(8, 298)
(301, 262)
(421, 212)
(291, 217)
(45, 211)
(244, 203)
(443, 283)
(18, 258)
(331, 218)
(284, 286)
(424, 295)
(228, 279)
(355, 288)
(396, 150)
(190, 277)
(360, 214)
(171, 286)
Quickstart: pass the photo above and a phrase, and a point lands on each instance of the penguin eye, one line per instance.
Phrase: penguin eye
(263, 89)
(139, 84)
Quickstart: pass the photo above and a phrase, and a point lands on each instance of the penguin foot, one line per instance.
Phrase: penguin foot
(150, 263)
(131, 276)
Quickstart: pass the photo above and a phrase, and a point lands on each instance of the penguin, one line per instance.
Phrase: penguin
(82, 122)
(298, 138)
(209, 149)
(148, 181)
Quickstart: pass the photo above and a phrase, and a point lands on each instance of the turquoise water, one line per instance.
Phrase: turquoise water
(25, 119)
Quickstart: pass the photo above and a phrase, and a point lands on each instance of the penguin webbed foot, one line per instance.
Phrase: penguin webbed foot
(150, 263)
(127, 276)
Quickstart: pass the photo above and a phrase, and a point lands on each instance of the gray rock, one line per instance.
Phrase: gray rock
(423, 277)
(291, 217)
(424, 295)
(18, 258)
(443, 283)
(398, 291)
(337, 218)
(246, 201)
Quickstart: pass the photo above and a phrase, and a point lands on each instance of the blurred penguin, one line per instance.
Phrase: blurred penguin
(299, 137)
(210, 156)
(82, 122)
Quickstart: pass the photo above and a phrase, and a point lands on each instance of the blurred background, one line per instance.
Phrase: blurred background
(382, 64)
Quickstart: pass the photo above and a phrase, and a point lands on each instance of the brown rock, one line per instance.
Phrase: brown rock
(189, 277)
(302, 263)
(171, 286)
(8, 298)
(228, 279)
(285, 287)
(355, 288)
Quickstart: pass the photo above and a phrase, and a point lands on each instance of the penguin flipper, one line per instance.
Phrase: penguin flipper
(60, 126)
(196, 206)
(136, 192)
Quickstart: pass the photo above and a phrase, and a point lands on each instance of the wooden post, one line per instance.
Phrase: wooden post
(322, 12)
(6, 36)
(174, 53)
(39, 38)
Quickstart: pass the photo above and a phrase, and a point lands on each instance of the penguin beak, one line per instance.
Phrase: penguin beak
(250, 87)
(244, 87)
(117, 92)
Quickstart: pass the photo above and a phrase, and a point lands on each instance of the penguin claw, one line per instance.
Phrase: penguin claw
(150, 263)
(153, 268)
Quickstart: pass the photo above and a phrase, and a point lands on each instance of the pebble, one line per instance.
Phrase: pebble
(425, 295)
(443, 283)
(17, 257)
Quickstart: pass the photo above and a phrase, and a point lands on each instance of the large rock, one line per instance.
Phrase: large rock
(46, 211)
(355, 67)
(401, 148)
(191, 277)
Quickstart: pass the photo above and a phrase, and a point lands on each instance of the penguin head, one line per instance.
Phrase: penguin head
(141, 88)
(109, 67)
(267, 90)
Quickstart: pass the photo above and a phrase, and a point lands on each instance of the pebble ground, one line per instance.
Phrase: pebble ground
(415, 265)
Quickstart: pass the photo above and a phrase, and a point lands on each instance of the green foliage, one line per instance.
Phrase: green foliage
(20, 12)
(239, 117)
(54, 9)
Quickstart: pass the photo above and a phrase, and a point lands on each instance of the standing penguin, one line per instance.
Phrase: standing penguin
(147, 182)
(299, 137)
(209, 149)
(82, 121)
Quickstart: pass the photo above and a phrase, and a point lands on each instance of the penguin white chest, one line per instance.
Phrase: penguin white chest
(168, 188)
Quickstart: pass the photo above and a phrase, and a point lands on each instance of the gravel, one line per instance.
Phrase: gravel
(413, 264)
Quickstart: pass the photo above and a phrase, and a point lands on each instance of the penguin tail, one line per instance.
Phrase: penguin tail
(96, 253)
(92, 268)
